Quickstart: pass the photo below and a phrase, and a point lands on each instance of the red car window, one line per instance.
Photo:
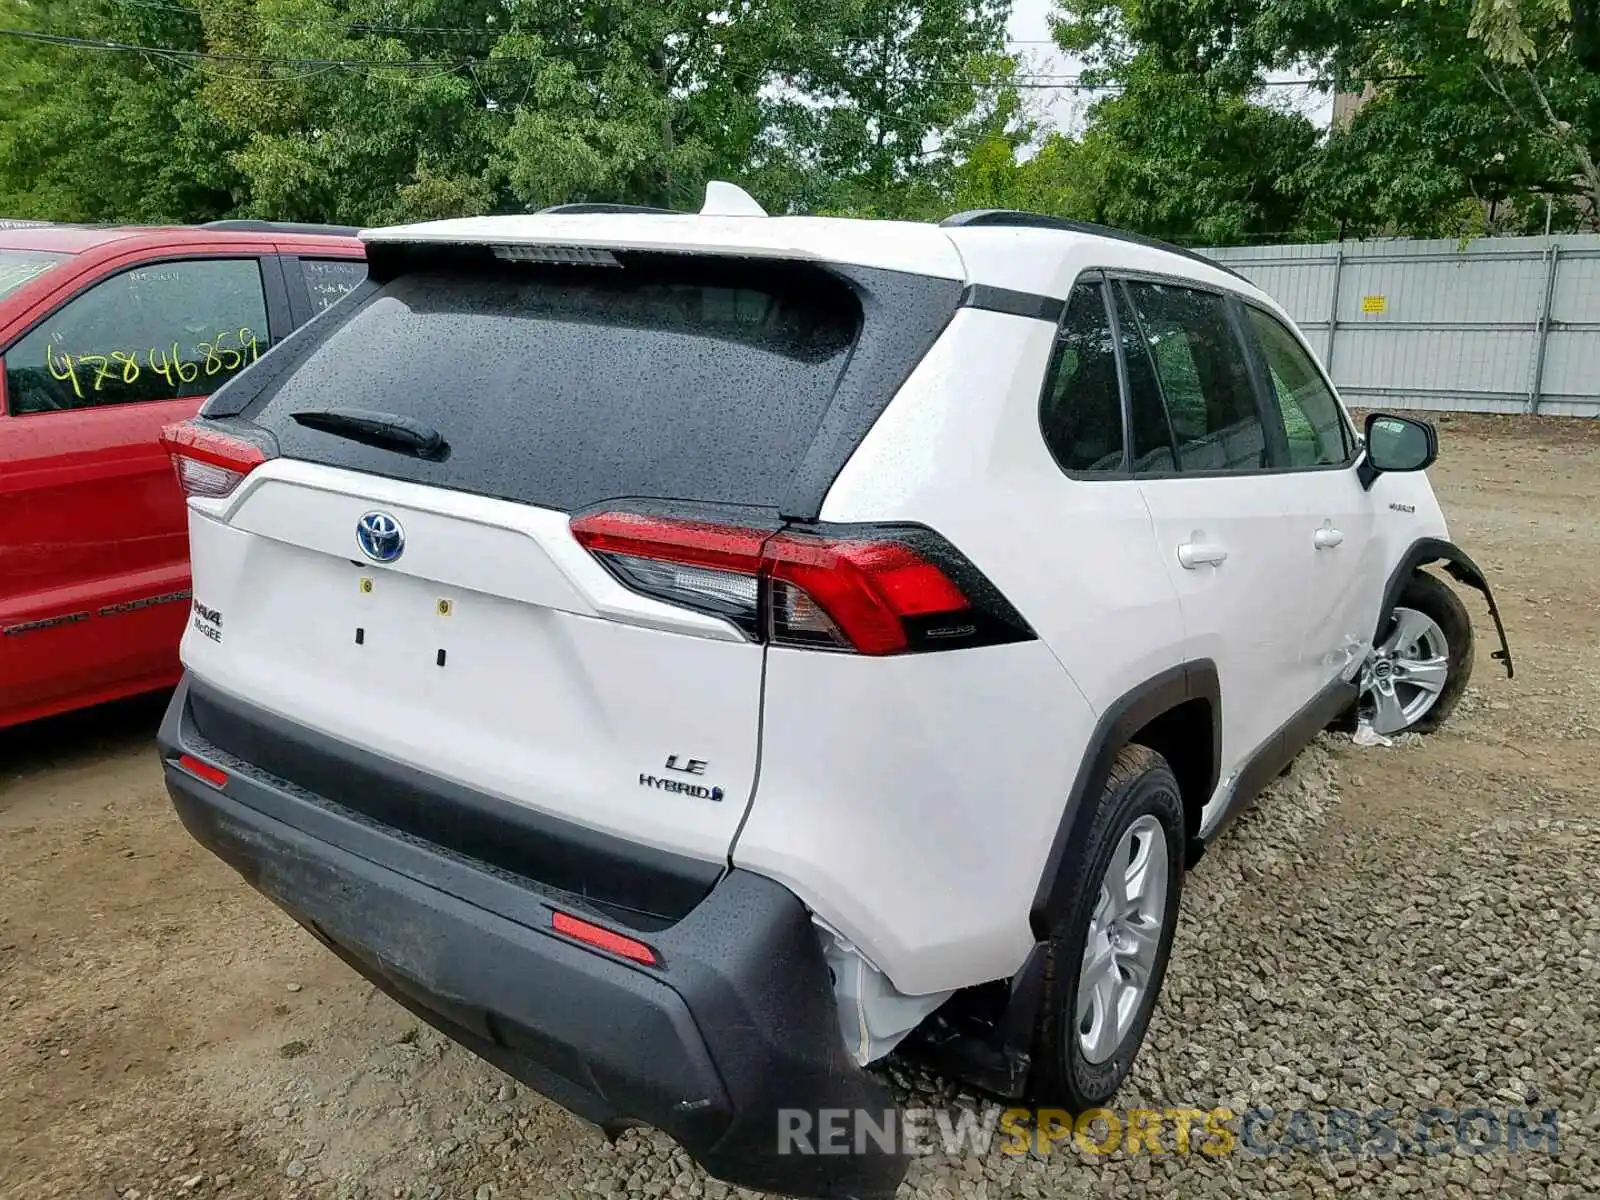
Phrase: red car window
(159, 331)
(328, 279)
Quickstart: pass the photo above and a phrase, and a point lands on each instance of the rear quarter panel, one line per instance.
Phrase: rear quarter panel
(912, 801)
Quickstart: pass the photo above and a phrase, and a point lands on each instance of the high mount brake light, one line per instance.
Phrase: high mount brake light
(208, 462)
(863, 589)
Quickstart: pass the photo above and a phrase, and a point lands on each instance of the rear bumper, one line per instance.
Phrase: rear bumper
(734, 1025)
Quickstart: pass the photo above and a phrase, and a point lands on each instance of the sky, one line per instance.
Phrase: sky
(1029, 31)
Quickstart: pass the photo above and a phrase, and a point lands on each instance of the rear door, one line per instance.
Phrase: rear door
(1221, 512)
(414, 588)
(1127, 600)
(94, 591)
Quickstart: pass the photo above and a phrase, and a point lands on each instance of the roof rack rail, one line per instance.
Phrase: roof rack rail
(580, 208)
(247, 226)
(1020, 219)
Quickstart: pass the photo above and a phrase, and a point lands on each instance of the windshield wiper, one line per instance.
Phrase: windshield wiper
(386, 431)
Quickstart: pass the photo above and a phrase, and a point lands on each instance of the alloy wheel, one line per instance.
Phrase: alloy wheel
(1407, 671)
(1119, 954)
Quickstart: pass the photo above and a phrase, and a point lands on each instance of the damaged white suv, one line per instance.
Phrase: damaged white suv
(685, 657)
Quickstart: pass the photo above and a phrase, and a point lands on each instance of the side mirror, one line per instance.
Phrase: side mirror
(1397, 444)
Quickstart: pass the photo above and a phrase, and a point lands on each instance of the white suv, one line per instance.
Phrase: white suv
(686, 657)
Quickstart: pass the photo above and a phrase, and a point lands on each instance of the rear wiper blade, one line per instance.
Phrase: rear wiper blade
(386, 431)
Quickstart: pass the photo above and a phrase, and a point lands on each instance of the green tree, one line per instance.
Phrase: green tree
(369, 111)
(1544, 65)
(344, 114)
(1194, 164)
(889, 102)
(1173, 150)
(1477, 102)
(101, 135)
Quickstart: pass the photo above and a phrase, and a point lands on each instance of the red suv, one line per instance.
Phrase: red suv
(106, 335)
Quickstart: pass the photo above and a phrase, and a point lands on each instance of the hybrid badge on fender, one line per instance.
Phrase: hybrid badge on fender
(380, 537)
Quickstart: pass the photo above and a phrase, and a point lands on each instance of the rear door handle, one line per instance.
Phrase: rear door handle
(1327, 537)
(1193, 554)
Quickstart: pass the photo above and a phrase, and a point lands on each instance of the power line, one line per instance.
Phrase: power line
(58, 39)
(363, 26)
(1034, 81)
(370, 27)
(1023, 81)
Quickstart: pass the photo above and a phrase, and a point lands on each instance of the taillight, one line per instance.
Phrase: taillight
(208, 461)
(838, 594)
(862, 589)
(698, 564)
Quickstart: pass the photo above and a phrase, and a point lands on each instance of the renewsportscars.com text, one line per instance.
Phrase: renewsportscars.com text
(1214, 1132)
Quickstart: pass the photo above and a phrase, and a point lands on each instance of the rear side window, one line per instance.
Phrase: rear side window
(158, 332)
(1200, 365)
(1312, 423)
(328, 279)
(564, 386)
(1081, 410)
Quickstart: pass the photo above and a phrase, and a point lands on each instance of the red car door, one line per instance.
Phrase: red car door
(93, 542)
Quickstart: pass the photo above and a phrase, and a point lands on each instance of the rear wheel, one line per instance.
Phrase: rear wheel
(1107, 963)
(1421, 660)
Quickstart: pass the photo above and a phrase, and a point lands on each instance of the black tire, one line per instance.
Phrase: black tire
(1140, 783)
(1433, 596)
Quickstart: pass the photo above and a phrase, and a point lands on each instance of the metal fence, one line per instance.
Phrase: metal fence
(1501, 325)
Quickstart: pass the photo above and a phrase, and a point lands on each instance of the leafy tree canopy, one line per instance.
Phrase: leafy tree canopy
(1474, 105)
(369, 111)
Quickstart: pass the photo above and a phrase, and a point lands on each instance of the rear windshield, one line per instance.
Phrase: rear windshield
(564, 386)
(18, 267)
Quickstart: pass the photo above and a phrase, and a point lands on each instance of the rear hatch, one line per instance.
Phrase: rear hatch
(415, 530)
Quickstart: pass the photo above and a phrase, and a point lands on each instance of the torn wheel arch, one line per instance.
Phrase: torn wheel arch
(1460, 567)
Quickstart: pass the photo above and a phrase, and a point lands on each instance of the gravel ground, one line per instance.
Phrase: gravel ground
(1400, 928)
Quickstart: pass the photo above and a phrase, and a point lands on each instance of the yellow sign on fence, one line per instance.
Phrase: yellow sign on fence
(1374, 304)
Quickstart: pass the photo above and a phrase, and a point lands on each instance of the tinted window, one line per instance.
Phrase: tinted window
(18, 267)
(1311, 419)
(692, 379)
(153, 333)
(1081, 411)
(1204, 381)
(1152, 436)
(328, 279)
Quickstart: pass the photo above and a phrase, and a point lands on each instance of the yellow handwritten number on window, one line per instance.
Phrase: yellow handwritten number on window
(216, 356)
(65, 373)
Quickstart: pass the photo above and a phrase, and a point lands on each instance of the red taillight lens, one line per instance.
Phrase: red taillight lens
(215, 776)
(207, 461)
(869, 590)
(601, 938)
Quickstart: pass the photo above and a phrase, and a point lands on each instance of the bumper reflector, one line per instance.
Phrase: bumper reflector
(602, 939)
(202, 770)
